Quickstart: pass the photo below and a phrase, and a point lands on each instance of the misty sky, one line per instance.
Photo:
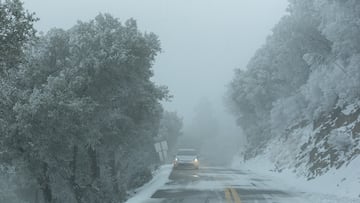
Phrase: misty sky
(202, 40)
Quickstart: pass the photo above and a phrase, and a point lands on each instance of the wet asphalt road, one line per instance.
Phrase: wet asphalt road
(215, 184)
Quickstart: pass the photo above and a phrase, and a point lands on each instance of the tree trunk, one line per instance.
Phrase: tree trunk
(44, 182)
(114, 174)
(37, 196)
(74, 186)
(95, 172)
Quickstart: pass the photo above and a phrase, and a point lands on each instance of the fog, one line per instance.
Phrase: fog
(260, 107)
(202, 41)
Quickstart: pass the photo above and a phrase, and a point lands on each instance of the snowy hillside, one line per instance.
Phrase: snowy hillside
(298, 99)
(337, 185)
(322, 156)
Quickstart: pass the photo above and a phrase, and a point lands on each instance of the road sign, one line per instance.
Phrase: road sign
(161, 148)
(164, 145)
(157, 147)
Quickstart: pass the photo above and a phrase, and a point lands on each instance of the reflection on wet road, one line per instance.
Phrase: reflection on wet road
(211, 184)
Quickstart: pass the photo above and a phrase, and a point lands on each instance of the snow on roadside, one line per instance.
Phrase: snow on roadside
(337, 185)
(146, 191)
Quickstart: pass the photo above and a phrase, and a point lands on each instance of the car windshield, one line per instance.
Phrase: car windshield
(187, 153)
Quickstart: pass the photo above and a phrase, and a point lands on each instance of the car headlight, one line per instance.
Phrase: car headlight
(176, 159)
(196, 160)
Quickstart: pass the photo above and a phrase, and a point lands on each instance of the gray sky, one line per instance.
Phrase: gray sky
(202, 40)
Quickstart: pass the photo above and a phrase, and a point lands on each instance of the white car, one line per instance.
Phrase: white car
(186, 158)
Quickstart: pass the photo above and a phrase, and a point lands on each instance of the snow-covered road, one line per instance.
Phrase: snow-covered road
(216, 184)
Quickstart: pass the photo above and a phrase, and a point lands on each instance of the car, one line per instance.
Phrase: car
(186, 158)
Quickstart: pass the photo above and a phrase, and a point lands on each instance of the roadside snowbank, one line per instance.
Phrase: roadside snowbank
(342, 182)
(146, 191)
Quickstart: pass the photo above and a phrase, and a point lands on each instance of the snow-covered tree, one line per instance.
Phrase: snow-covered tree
(307, 67)
(85, 112)
(16, 29)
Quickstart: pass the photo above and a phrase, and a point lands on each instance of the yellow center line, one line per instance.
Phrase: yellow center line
(235, 195)
(228, 196)
(232, 196)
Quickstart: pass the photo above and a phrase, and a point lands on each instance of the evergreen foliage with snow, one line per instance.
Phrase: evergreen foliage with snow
(78, 108)
(305, 74)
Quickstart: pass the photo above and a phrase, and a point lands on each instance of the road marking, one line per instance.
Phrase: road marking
(228, 196)
(232, 196)
(235, 195)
